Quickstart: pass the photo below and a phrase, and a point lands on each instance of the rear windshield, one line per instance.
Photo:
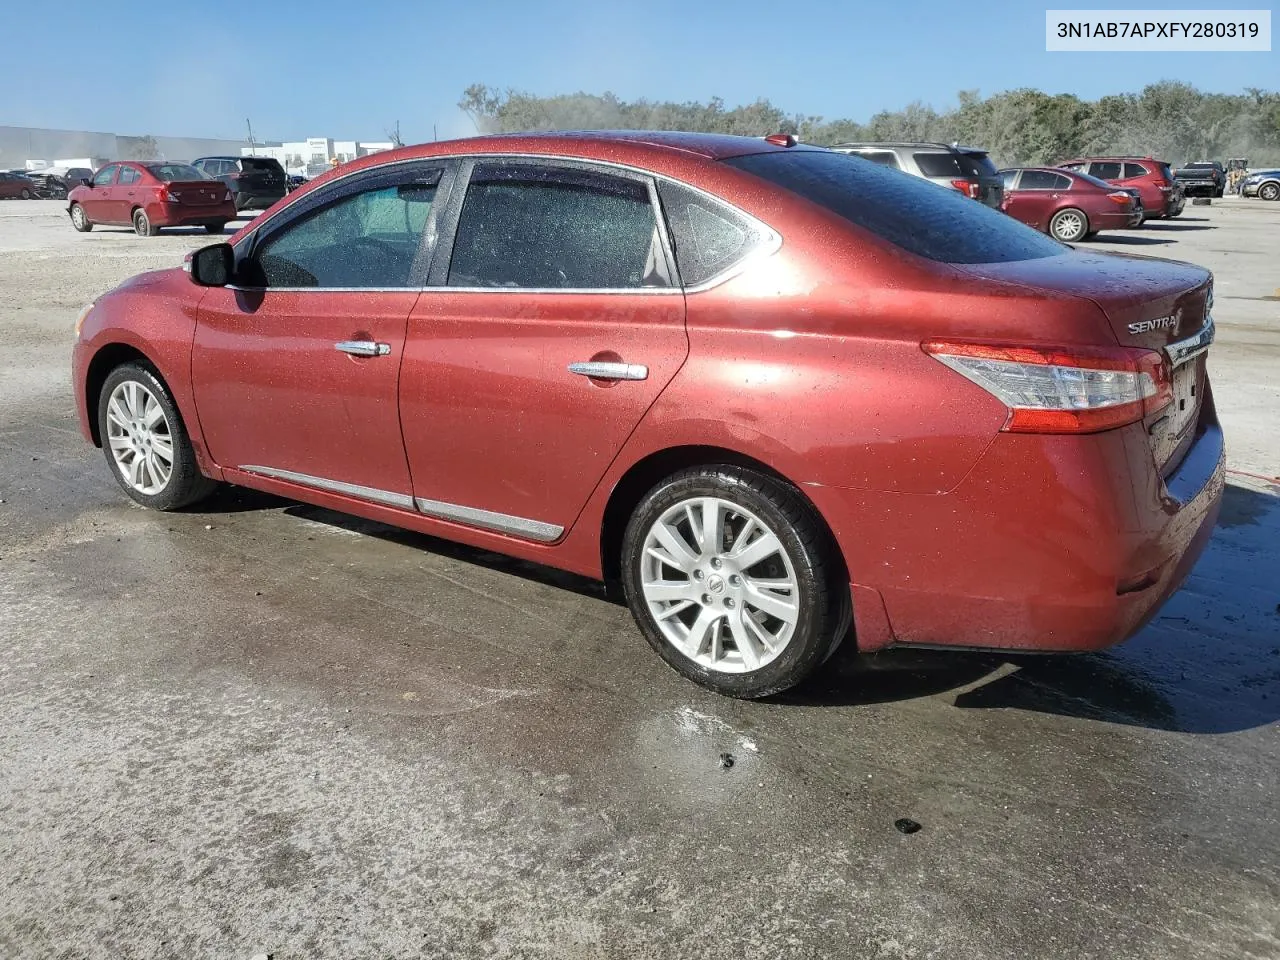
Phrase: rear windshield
(977, 165)
(938, 164)
(168, 172)
(261, 163)
(913, 214)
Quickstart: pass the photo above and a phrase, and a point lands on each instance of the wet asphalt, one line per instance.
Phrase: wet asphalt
(258, 727)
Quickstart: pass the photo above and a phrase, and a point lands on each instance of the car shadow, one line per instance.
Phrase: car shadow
(1127, 240)
(1176, 226)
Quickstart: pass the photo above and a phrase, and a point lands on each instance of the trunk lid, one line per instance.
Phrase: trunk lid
(1159, 305)
(198, 193)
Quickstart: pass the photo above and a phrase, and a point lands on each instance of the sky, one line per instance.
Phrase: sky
(351, 70)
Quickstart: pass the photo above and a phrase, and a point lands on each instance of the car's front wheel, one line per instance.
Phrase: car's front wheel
(1069, 225)
(733, 580)
(146, 442)
(79, 219)
(1269, 191)
(26, 194)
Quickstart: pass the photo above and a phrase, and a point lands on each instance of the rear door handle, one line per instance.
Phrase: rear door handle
(363, 348)
(610, 371)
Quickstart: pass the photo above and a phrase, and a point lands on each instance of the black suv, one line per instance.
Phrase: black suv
(253, 181)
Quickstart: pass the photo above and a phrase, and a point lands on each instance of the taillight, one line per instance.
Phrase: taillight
(171, 197)
(1063, 389)
(970, 190)
(1162, 183)
(1120, 197)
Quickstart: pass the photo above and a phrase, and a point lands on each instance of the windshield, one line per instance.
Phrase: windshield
(909, 212)
(169, 172)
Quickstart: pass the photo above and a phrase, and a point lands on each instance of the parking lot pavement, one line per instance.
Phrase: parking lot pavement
(268, 728)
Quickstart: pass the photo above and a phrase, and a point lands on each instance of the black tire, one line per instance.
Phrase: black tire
(821, 596)
(1058, 225)
(142, 224)
(1269, 191)
(214, 227)
(26, 194)
(1091, 235)
(79, 219)
(1219, 192)
(186, 484)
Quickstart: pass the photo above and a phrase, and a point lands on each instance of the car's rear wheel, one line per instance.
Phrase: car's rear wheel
(142, 224)
(733, 581)
(79, 219)
(1269, 191)
(26, 194)
(1069, 225)
(146, 442)
(214, 227)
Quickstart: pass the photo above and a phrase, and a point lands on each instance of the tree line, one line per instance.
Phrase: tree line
(1170, 120)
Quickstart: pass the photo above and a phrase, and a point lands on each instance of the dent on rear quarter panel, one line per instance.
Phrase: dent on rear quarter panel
(155, 313)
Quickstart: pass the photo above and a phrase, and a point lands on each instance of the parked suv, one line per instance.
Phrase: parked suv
(967, 169)
(253, 181)
(1161, 195)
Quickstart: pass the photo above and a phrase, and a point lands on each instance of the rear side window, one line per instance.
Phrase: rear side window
(710, 237)
(1106, 170)
(1007, 177)
(128, 176)
(1078, 167)
(913, 214)
(1135, 170)
(938, 164)
(1043, 180)
(886, 158)
(1095, 181)
(543, 227)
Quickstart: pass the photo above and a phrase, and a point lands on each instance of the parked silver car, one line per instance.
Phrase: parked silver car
(1261, 183)
(967, 169)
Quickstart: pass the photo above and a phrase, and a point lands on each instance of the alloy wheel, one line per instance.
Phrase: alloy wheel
(720, 585)
(139, 437)
(78, 217)
(1068, 226)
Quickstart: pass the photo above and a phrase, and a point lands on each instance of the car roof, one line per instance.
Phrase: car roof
(1130, 159)
(914, 144)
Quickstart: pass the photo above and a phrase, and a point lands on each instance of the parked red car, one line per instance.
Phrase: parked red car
(1153, 179)
(149, 196)
(765, 386)
(1066, 205)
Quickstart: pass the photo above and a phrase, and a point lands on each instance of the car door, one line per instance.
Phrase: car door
(552, 322)
(126, 194)
(97, 203)
(295, 366)
(1039, 192)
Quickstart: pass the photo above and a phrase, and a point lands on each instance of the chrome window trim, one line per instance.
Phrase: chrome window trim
(489, 520)
(1184, 350)
(770, 245)
(436, 509)
(232, 286)
(372, 494)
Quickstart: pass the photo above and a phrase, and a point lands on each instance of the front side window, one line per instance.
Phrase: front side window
(105, 176)
(710, 237)
(365, 240)
(913, 214)
(1106, 170)
(543, 227)
(129, 176)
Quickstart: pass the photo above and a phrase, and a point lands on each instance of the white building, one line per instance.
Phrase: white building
(311, 157)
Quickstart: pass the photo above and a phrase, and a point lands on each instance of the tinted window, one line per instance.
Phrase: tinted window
(709, 237)
(976, 165)
(367, 239)
(886, 158)
(1134, 170)
(267, 164)
(542, 227)
(76, 174)
(169, 172)
(1007, 177)
(1094, 181)
(1043, 180)
(1105, 169)
(104, 176)
(128, 176)
(917, 216)
(938, 164)
(1074, 166)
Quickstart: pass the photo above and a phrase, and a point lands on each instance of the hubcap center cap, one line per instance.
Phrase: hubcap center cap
(716, 584)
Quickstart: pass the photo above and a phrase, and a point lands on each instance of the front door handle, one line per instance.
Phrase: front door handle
(363, 348)
(610, 371)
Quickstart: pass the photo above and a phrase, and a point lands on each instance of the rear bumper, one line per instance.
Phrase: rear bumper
(1107, 220)
(190, 215)
(1051, 543)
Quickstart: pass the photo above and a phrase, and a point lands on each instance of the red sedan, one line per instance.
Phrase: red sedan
(1068, 206)
(769, 388)
(148, 196)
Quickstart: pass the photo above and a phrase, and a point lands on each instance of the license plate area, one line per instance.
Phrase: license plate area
(1186, 395)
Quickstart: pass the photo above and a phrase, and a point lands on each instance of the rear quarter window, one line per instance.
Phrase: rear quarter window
(917, 216)
(976, 165)
(938, 164)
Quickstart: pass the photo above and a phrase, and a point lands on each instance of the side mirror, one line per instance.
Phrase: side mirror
(85, 181)
(213, 266)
